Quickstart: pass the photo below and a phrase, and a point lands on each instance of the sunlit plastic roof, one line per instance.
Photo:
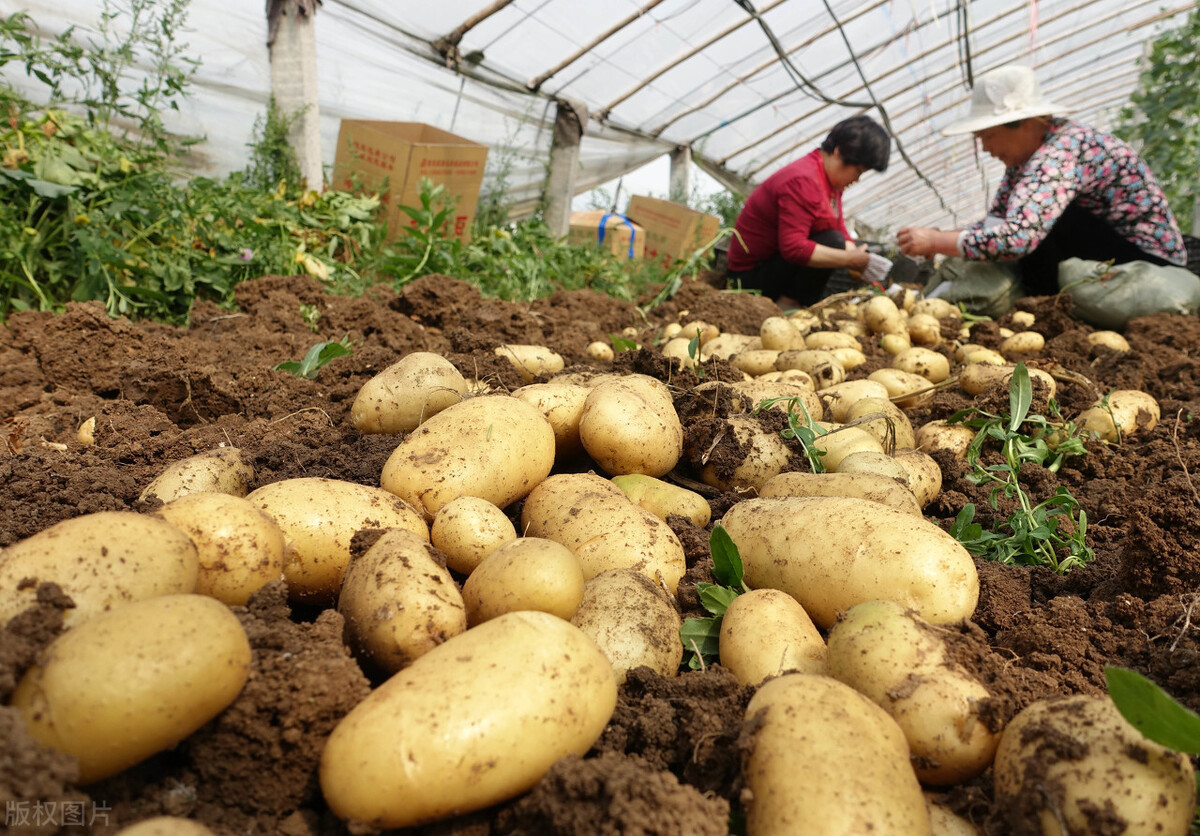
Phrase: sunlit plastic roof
(748, 86)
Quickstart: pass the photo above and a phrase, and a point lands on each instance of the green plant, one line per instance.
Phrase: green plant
(1033, 534)
(802, 428)
(317, 357)
(273, 162)
(310, 314)
(701, 636)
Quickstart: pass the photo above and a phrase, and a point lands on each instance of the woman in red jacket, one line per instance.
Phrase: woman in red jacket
(791, 235)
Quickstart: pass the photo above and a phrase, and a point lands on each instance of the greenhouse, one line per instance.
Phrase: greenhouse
(526, 416)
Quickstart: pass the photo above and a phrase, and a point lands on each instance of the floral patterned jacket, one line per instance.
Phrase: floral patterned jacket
(1100, 173)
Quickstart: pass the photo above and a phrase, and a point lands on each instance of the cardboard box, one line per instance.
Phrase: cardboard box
(402, 153)
(614, 232)
(672, 230)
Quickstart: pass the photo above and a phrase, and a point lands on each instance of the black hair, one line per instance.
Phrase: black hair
(861, 141)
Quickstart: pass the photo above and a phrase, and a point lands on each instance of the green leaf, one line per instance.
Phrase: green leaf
(716, 599)
(1020, 397)
(727, 561)
(1152, 710)
(702, 636)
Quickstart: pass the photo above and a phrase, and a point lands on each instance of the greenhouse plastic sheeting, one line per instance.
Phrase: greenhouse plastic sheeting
(658, 74)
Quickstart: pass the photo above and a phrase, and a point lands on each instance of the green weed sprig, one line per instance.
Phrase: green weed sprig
(801, 427)
(701, 636)
(317, 357)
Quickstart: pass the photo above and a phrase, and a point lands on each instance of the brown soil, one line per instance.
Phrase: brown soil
(669, 761)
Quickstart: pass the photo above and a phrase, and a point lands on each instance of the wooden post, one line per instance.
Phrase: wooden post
(569, 123)
(292, 45)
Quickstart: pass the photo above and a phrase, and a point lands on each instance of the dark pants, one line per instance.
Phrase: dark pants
(1077, 234)
(777, 277)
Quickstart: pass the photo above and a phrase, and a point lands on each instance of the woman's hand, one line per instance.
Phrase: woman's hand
(923, 241)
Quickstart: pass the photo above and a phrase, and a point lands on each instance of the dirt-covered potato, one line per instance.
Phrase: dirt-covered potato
(663, 498)
(475, 721)
(221, 470)
(839, 398)
(942, 435)
(400, 397)
(884, 420)
(900, 661)
(562, 404)
(629, 425)
(134, 681)
(530, 361)
(831, 340)
(530, 573)
(763, 455)
(778, 333)
(830, 553)
(872, 486)
(1022, 345)
(821, 365)
(496, 447)
(103, 561)
(906, 389)
(1064, 761)
(166, 826)
(605, 529)
(937, 308)
(399, 602)
(1122, 413)
(765, 632)
(755, 363)
(929, 364)
(727, 345)
(633, 621)
(785, 395)
(882, 316)
(240, 548)
(991, 379)
(924, 329)
(467, 530)
(924, 474)
(850, 757)
(319, 518)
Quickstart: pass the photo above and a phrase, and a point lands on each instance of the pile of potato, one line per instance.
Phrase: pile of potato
(527, 623)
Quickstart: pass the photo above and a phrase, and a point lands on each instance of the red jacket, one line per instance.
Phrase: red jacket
(784, 211)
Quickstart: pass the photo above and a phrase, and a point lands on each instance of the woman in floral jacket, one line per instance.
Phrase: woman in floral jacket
(1068, 191)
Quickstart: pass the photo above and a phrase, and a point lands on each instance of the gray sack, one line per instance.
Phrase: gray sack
(1127, 290)
(983, 288)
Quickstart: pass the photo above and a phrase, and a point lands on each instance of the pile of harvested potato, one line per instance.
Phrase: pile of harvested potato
(505, 580)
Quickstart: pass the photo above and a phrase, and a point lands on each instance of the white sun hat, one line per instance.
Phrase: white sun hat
(1005, 94)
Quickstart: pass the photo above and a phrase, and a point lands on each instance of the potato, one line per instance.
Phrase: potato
(925, 362)
(134, 681)
(221, 470)
(166, 826)
(804, 320)
(846, 753)
(399, 602)
(1022, 319)
(764, 633)
(1108, 339)
(562, 406)
(753, 392)
(803, 379)
(853, 327)
(663, 499)
(600, 351)
(594, 519)
(945, 822)
(924, 329)
(906, 389)
(942, 435)
(937, 308)
(400, 397)
(831, 340)
(977, 355)
(822, 366)
(240, 548)
(924, 474)
(778, 333)
(633, 621)
(870, 486)
(473, 722)
(1022, 345)
(530, 573)
(671, 329)
(830, 553)
(755, 363)
(840, 397)
(495, 447)
(630, 426)
(844, 441)
(763, 453)
(319, 518)
(1069, 758)
(530, 361)
(727, 345)
(683, 350)
(871, 462)
(991, 379)
(706, 331)
(103, 561)
(901, 663)
(893, 344)
(882, 316)
(467, 530)
(1123, 412)
(849, 358)
(882, 419)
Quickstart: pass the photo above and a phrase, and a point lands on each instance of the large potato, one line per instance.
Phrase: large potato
(319, 518)
(1063, 761)
(826, 761)
(102, 561)
(633, 621)
(220, 470)
(796, 397)
(763, 454)
(399, 602)
(134, 681)
(495, 447)
(467, 530)
(872, 486)
(764, 633)
(239, 547)
(778, 333)
(562, 404)
(1122, 413)
(530, 573)
(663, 498)
(821, 365)
(629, 425)
(929, 364)
(906, 389)
(942, 435)
(830, 553)
(991, 379)
(471, 723)
(606, 530)
(407, 392)
(901, 663)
